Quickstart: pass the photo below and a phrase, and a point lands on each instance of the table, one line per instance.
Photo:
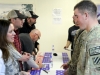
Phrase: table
(57, 62)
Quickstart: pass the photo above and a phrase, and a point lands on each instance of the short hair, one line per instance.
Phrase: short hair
(36, 31)
(88, 6)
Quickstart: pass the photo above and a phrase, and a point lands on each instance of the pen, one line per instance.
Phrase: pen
(45, 71)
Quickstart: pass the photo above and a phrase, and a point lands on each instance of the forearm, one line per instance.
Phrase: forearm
(67, 44)
(32, 63)
(24, 73)
(24, 57)
(21, 59)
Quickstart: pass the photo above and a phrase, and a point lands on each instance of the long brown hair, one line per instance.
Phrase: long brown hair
(4, 25)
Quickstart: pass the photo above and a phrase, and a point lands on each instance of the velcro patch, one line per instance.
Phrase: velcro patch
(94, 51)
(96, 60)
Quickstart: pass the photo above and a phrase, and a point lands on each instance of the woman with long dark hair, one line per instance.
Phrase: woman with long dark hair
(8, 54)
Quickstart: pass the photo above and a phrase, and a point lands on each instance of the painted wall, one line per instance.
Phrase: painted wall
(52, 34)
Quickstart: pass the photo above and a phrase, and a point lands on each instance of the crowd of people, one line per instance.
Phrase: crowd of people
(14, 49)
(19, 42)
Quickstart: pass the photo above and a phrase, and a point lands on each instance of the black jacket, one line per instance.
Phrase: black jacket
(27, 29)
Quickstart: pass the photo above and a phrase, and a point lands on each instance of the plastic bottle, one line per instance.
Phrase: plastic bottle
(53, 49)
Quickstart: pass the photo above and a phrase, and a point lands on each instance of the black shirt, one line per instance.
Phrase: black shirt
(71, 34)
(27, 29)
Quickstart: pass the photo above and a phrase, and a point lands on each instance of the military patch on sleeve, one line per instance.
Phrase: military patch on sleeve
(94, 51)
(96, 60)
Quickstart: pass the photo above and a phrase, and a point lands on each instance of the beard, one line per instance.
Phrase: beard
(34, 23)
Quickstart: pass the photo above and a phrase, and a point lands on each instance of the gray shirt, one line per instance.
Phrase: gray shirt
(27, 43)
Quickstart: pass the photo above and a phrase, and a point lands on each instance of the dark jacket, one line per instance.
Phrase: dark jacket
(27, 29)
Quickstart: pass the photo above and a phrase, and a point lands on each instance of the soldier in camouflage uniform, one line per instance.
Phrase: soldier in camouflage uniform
(73, 63)
(89, 58)
(77, 44)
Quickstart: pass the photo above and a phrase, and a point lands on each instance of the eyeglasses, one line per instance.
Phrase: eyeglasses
(37, 35)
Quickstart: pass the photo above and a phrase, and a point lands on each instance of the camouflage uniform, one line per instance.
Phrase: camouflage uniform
(73, 63)
(89, 59)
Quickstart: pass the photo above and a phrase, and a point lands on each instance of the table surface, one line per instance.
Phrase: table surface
(57, 62)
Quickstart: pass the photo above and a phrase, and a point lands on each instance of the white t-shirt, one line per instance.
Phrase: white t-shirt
(2, 65)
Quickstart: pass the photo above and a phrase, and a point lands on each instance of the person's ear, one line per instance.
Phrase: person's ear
(12, 20)
(86, 15)
(28, 18)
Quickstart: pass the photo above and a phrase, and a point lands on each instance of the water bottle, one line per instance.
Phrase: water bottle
(52, 49)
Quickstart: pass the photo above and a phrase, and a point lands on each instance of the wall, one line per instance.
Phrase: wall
(52, 34)
(96, 1)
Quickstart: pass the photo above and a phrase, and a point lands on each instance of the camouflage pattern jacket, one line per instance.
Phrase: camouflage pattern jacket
(89, 59)
(77, 44)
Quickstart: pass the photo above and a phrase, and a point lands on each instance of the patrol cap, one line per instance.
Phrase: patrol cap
(15, 14)
(31, 14)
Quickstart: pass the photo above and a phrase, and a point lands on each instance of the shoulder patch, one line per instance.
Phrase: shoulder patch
(96, 60)
(94, 51)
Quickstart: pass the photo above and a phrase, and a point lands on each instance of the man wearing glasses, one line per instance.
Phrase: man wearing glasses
(27, 42)
(29, 25)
